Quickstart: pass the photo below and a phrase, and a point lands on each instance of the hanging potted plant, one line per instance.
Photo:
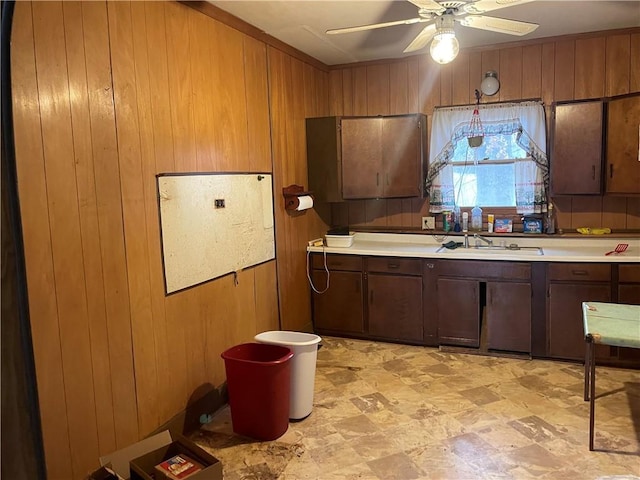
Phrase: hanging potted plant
(475, 137)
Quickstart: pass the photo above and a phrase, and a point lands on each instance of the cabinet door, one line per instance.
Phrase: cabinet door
(509, 316)
(339, 309)
(566, 331)
(458, 312)
(623, 159)
(395, 307)
(362, 158)
(324, 163)
(401, 156)
(576, 159)
(629, 294)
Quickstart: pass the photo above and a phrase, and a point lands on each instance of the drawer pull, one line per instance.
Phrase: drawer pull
(393, 265)
(581, 273)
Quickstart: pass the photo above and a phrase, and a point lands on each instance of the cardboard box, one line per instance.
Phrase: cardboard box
(503, 225)
(138, 461)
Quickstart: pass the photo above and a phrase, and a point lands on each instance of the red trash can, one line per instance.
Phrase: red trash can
(258, 383)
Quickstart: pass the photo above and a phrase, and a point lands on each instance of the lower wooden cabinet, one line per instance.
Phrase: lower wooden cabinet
(629, 292)
(377, 297)
(508, 316)
(459, 312)
(570, 284)
(339, 309)
(494, 306)
(498, 293)
(395, 307)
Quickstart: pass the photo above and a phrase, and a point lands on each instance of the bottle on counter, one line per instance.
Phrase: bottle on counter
(490, 219)
(476, 219)
(550, 220)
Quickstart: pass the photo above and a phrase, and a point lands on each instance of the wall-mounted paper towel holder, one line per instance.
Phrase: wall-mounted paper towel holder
(296, 198)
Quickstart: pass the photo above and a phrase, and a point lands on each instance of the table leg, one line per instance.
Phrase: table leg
(587, 371)
(592, 396)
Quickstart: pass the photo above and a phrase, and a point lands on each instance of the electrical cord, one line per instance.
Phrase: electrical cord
(326, 269)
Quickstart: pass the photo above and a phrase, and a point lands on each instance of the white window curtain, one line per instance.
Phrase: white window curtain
(452, 125)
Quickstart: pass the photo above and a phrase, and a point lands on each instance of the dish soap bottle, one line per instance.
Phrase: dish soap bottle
(476, 218)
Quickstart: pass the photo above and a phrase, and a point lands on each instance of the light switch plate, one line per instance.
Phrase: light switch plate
(428, 223)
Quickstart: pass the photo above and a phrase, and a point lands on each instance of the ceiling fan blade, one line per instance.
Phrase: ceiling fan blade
(482, 6)
(422, 39)
(500, 25)
(373, 26)
(429, 5)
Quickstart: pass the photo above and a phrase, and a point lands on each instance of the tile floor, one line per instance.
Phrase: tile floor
(386, 411)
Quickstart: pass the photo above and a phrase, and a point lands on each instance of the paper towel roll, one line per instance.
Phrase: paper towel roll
(304, 202)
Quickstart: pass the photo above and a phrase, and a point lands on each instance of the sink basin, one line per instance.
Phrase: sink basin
(512, 249)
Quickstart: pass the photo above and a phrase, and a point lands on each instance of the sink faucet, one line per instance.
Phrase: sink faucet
(484, 239)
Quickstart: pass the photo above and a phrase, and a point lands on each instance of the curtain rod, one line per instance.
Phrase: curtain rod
(491, 104)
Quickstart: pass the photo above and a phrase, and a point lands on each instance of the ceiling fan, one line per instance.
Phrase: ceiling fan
(441, 16)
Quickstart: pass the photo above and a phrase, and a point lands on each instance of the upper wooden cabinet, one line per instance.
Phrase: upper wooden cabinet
(623, 157)
(366, 157)
(576, 148)
(590, 136)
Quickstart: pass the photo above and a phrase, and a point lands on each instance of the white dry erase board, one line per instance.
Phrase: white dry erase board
(213, 224)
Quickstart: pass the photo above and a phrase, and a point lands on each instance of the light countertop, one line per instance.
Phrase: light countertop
(588, 249)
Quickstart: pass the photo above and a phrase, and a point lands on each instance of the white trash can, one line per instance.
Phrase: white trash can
(303, 367)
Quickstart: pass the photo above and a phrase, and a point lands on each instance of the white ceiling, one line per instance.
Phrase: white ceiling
(302, 24)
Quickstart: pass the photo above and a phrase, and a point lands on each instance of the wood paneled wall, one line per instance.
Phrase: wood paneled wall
(578, 67)
(107, 95)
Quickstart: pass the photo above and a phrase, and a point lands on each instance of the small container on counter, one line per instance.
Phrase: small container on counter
(503, 225)
(532, 224)
(447, 219)
(476, 219)
(490, 220)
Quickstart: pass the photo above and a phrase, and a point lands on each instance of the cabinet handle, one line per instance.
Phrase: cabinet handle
(593, 172)
(430, 265)
(393, 265)
(611, 170)
(581, 273)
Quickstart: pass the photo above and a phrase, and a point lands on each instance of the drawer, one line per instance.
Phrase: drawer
(485, 270)
(629, 273)
(337, 262)
(581, 272)
(404, 266)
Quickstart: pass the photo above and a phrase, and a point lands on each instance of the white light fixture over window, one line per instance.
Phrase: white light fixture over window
(444, 46)
(490, 83)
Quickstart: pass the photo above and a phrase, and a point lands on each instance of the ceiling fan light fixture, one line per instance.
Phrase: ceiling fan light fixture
(444, 46)
(490, 83)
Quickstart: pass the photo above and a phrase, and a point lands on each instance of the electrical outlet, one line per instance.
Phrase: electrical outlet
(428, 223)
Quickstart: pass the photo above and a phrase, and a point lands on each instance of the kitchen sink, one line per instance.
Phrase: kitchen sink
(513, 249)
